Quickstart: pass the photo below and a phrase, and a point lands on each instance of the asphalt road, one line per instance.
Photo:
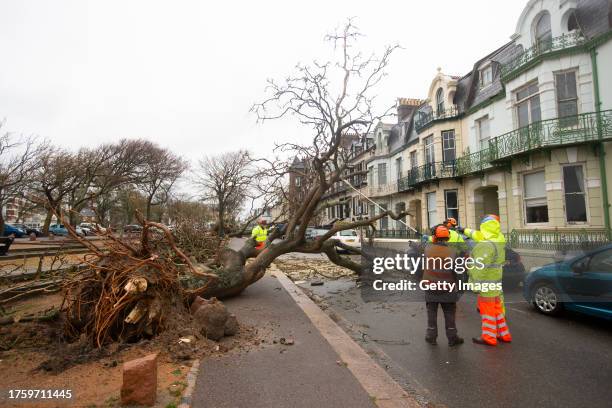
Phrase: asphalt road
(552, 362)
(563, 361)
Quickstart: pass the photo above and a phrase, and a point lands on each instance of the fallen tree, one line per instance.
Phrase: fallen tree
(135, 289)
(334, 99)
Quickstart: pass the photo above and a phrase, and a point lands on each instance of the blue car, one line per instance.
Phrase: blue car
(582, 284)
(10, 229)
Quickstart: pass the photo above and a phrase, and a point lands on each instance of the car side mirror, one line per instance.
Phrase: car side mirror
(580, 266)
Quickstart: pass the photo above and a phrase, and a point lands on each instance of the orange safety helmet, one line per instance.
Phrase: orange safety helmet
(440, 232)
(450, 222)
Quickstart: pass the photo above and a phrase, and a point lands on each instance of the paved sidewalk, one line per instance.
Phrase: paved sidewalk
(306, 374)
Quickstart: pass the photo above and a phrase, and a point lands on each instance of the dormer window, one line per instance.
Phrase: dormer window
(572, 22)
(486, 76)
(543, 34)
(440, 101)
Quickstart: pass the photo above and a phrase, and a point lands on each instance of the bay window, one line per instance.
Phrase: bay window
(528, 105)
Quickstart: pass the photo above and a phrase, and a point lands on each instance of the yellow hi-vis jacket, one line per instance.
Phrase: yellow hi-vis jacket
(491, 249)
(259, 233)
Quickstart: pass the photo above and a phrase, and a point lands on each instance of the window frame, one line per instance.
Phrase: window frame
(584, 194)
(382, 166)
(399, 164)
(529, 100)
(414, 160)
(435, 211)
(525, 199)
(537, 39)
(487, 68)
(479, 123)
(427, 145)
(440, 101)
(446, 207)
(576, 99)
(444, 149)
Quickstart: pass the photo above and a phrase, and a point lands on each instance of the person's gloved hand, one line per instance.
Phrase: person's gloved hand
(424, 238)
(459, 229)
(417, 234)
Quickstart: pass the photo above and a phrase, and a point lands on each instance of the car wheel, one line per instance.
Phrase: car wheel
(546, 299)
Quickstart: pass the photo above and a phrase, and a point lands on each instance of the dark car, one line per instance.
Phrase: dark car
(582, 284)
(11, 229)
(29, 230)
(132, 228)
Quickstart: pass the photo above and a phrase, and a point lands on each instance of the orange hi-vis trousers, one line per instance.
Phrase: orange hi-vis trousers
(494, 324)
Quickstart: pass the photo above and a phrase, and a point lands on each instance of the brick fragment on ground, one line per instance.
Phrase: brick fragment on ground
(140, 381)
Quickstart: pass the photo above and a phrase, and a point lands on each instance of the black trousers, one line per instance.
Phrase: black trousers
(449, 309)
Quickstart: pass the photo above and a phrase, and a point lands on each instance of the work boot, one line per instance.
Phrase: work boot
(431, 340)
(479, 340)
(455, 341)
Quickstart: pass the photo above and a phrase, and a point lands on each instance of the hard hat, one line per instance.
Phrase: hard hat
(490, 217)
(441, 231)
(450, 222)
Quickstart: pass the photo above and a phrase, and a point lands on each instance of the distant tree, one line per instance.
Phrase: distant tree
(157, 174)
(18, 158)
(225, 181)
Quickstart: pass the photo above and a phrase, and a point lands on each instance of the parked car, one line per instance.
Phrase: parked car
(132, 228)
(29, 230)
(582, 284)
(11, 229)
(348, 237)
(314, 233)
(91, 228)
(60, 229)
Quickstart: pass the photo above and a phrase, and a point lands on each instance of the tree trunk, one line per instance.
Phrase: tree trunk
(1, 222)
(47, 223)
(149, 200)
(221, 221)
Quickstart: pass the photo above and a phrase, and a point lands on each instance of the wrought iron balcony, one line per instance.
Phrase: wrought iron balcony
(476, 162)
(427, 172)
(565, 131)
(393, 233)
(561, 42)
(425, 119)
(380, 190)
(559, 240)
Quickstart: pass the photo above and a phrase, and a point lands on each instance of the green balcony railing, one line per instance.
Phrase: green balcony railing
(549, 133)
(559, 240)
(561, 42)
(424, 119)
(427, 172)
(393, 233)
(475, 162)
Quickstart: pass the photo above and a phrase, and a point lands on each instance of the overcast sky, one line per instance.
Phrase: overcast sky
(185, 73)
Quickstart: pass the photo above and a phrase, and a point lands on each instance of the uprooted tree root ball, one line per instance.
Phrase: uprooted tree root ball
(132, 290)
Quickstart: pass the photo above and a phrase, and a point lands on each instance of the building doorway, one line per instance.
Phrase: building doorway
(485, 202)
(415, 218)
